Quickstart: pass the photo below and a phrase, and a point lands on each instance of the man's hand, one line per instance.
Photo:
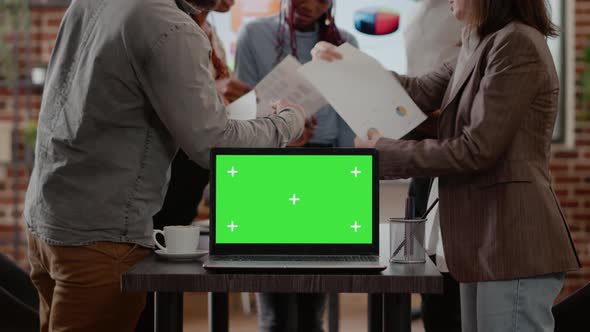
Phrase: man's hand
(373, 136)
(282, 104)
(232, 89)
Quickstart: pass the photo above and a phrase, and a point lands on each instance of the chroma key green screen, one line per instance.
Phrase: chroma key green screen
(293, 199)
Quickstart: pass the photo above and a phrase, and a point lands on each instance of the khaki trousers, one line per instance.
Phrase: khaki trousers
(79, 286)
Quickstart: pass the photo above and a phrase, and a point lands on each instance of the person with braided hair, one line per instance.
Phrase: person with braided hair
(265, 42)
(261, 45)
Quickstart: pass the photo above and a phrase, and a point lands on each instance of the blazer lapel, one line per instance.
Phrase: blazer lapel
(467, 72)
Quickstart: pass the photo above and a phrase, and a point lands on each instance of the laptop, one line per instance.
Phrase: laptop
(294, 208)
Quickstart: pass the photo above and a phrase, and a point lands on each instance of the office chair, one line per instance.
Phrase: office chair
(571, 314)
(18, 299)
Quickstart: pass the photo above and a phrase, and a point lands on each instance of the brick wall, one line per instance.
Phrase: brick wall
(14, 177)
(571, 167)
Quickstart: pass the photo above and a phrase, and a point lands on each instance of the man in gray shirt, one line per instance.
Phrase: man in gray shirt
(128, 84)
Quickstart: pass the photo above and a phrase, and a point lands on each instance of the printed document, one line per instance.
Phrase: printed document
(364, 93)
(283, 82)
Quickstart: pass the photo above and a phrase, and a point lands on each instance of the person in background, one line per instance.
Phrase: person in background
(265, 42)
(433, 37)
(127, 85)
(261, 45)
(227, 85)
(187, 178)
(505, 236)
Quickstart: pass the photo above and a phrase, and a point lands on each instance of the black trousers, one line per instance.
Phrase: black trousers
(279, 312)
(187, 181)
(440, 312)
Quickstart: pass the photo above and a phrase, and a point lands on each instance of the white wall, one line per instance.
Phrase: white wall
(392, 199)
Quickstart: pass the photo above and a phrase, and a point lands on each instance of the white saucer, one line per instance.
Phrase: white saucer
(182, 257)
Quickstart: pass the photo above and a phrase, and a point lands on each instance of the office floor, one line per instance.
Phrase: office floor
(353, 313)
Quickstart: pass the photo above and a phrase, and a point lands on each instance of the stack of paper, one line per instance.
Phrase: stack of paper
(283, 82)
(358, 87)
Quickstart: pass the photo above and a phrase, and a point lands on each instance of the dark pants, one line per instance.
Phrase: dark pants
(278, 312)
(440, 312)
(187, 181)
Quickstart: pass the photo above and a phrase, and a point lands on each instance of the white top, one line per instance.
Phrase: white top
(433, 36)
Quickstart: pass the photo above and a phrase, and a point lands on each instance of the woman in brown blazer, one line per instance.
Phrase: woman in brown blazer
(504, 233)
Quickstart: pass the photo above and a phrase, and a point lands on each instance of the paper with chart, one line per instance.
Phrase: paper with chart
(283, 82)
(364, 93)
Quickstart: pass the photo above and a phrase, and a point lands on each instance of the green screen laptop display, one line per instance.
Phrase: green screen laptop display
(293, 199)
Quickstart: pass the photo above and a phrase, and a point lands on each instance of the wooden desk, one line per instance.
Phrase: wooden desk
(389, 291)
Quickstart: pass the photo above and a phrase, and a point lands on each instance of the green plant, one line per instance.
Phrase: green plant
(586, 75)
(30, 134)
(15, 18)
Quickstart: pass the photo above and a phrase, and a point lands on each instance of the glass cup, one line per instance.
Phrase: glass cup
(407, 240)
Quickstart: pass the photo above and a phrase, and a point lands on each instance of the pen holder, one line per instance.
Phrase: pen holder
(407, 240)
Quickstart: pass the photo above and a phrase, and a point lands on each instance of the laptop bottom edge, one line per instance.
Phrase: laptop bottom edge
(220, 264)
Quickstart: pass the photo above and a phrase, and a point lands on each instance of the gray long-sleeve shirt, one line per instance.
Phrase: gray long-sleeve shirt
(128, 84)
(256, 56)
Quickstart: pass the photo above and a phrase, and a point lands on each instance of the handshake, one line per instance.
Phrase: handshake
(356, 85)
(310, 122)
(232, 89)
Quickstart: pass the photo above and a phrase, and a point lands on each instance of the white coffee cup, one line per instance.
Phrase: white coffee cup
(179, 239)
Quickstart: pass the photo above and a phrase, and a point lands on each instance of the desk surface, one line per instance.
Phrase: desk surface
(154, 274)
(157, 275)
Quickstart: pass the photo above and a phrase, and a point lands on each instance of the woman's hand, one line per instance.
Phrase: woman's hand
(307, 132)
(310, 123)
(373, 136)
(325, 51)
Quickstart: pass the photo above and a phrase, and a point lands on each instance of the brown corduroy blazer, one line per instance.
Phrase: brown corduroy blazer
(500, 218)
